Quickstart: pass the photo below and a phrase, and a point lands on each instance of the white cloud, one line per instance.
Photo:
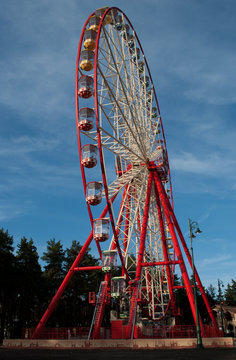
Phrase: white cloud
(194, 51)
(30, 163)
(211, 80)
(19, 146)
(13, 209)
(209, 165)
(215, 260)
(191, 66)
(38, 66)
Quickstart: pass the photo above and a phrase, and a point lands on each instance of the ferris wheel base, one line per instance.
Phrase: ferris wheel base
(118, 344)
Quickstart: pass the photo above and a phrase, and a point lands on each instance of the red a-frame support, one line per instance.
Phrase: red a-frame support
(164, 210)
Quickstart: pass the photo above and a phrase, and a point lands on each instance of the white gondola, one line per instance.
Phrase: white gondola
(100, 12)
(90, 37)
(154, 112)
(86, 119)
(141, 66)
(89, 155)
(94, 193)
(87, 60)
(149, 95)
(145, 81)
(131, 42)
(118, 285)
(86, 87)
(94, 22)
(135, 54)
(109, 260)
(125, 31)
(118, 22)
(101, 229)
(113, 14)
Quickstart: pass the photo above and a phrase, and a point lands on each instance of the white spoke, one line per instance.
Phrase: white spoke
(129, 134)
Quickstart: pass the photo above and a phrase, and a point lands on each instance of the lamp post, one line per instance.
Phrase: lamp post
(193, 227)
(220, 285)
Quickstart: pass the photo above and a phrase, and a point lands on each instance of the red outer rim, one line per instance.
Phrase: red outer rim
(77, 115)
(97, 113)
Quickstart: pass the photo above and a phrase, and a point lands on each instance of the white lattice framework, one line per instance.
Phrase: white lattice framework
(130, 132)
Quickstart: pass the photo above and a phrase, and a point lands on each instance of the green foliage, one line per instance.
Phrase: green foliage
(8, 283)
(26, 289)
(76, 294)
(6, 243)
(230, 294)
(54, 258)
(30, 283)
(53, 270)
(182, 302)
(177, 281)
(211, 295)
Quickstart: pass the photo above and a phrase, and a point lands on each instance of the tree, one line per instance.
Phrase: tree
(230, 294)
(54, 258)
(8, 283)
(182, 302)
(211, 295)
(78, 310)
(53, 275)
(30, 283)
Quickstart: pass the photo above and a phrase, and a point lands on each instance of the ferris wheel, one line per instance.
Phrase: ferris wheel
(120, 129)
(126, 178)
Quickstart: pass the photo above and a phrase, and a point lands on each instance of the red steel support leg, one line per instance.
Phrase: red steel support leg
(66, 280)
(144, 229)
(62, 288)
(183, 269)
(132, 314)
(169, 275)
(127, 221)
(190, 262)
(149, 287)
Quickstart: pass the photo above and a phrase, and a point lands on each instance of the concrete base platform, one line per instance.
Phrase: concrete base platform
(117, 344)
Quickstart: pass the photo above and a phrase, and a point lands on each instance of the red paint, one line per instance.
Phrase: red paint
(140, 259)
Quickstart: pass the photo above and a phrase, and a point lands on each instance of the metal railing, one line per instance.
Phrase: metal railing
(145, 332)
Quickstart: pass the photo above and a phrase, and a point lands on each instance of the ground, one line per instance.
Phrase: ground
(185, 354)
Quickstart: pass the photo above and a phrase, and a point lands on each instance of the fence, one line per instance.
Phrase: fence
(145, 332)
(58, 333)
(176, 332)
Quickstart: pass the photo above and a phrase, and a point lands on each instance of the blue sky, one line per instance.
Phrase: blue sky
(191, 52)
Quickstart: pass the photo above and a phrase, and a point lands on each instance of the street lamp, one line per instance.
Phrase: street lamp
(220, 285)
(194, 229)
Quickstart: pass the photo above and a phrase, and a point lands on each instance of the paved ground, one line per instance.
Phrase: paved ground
(187, 354)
